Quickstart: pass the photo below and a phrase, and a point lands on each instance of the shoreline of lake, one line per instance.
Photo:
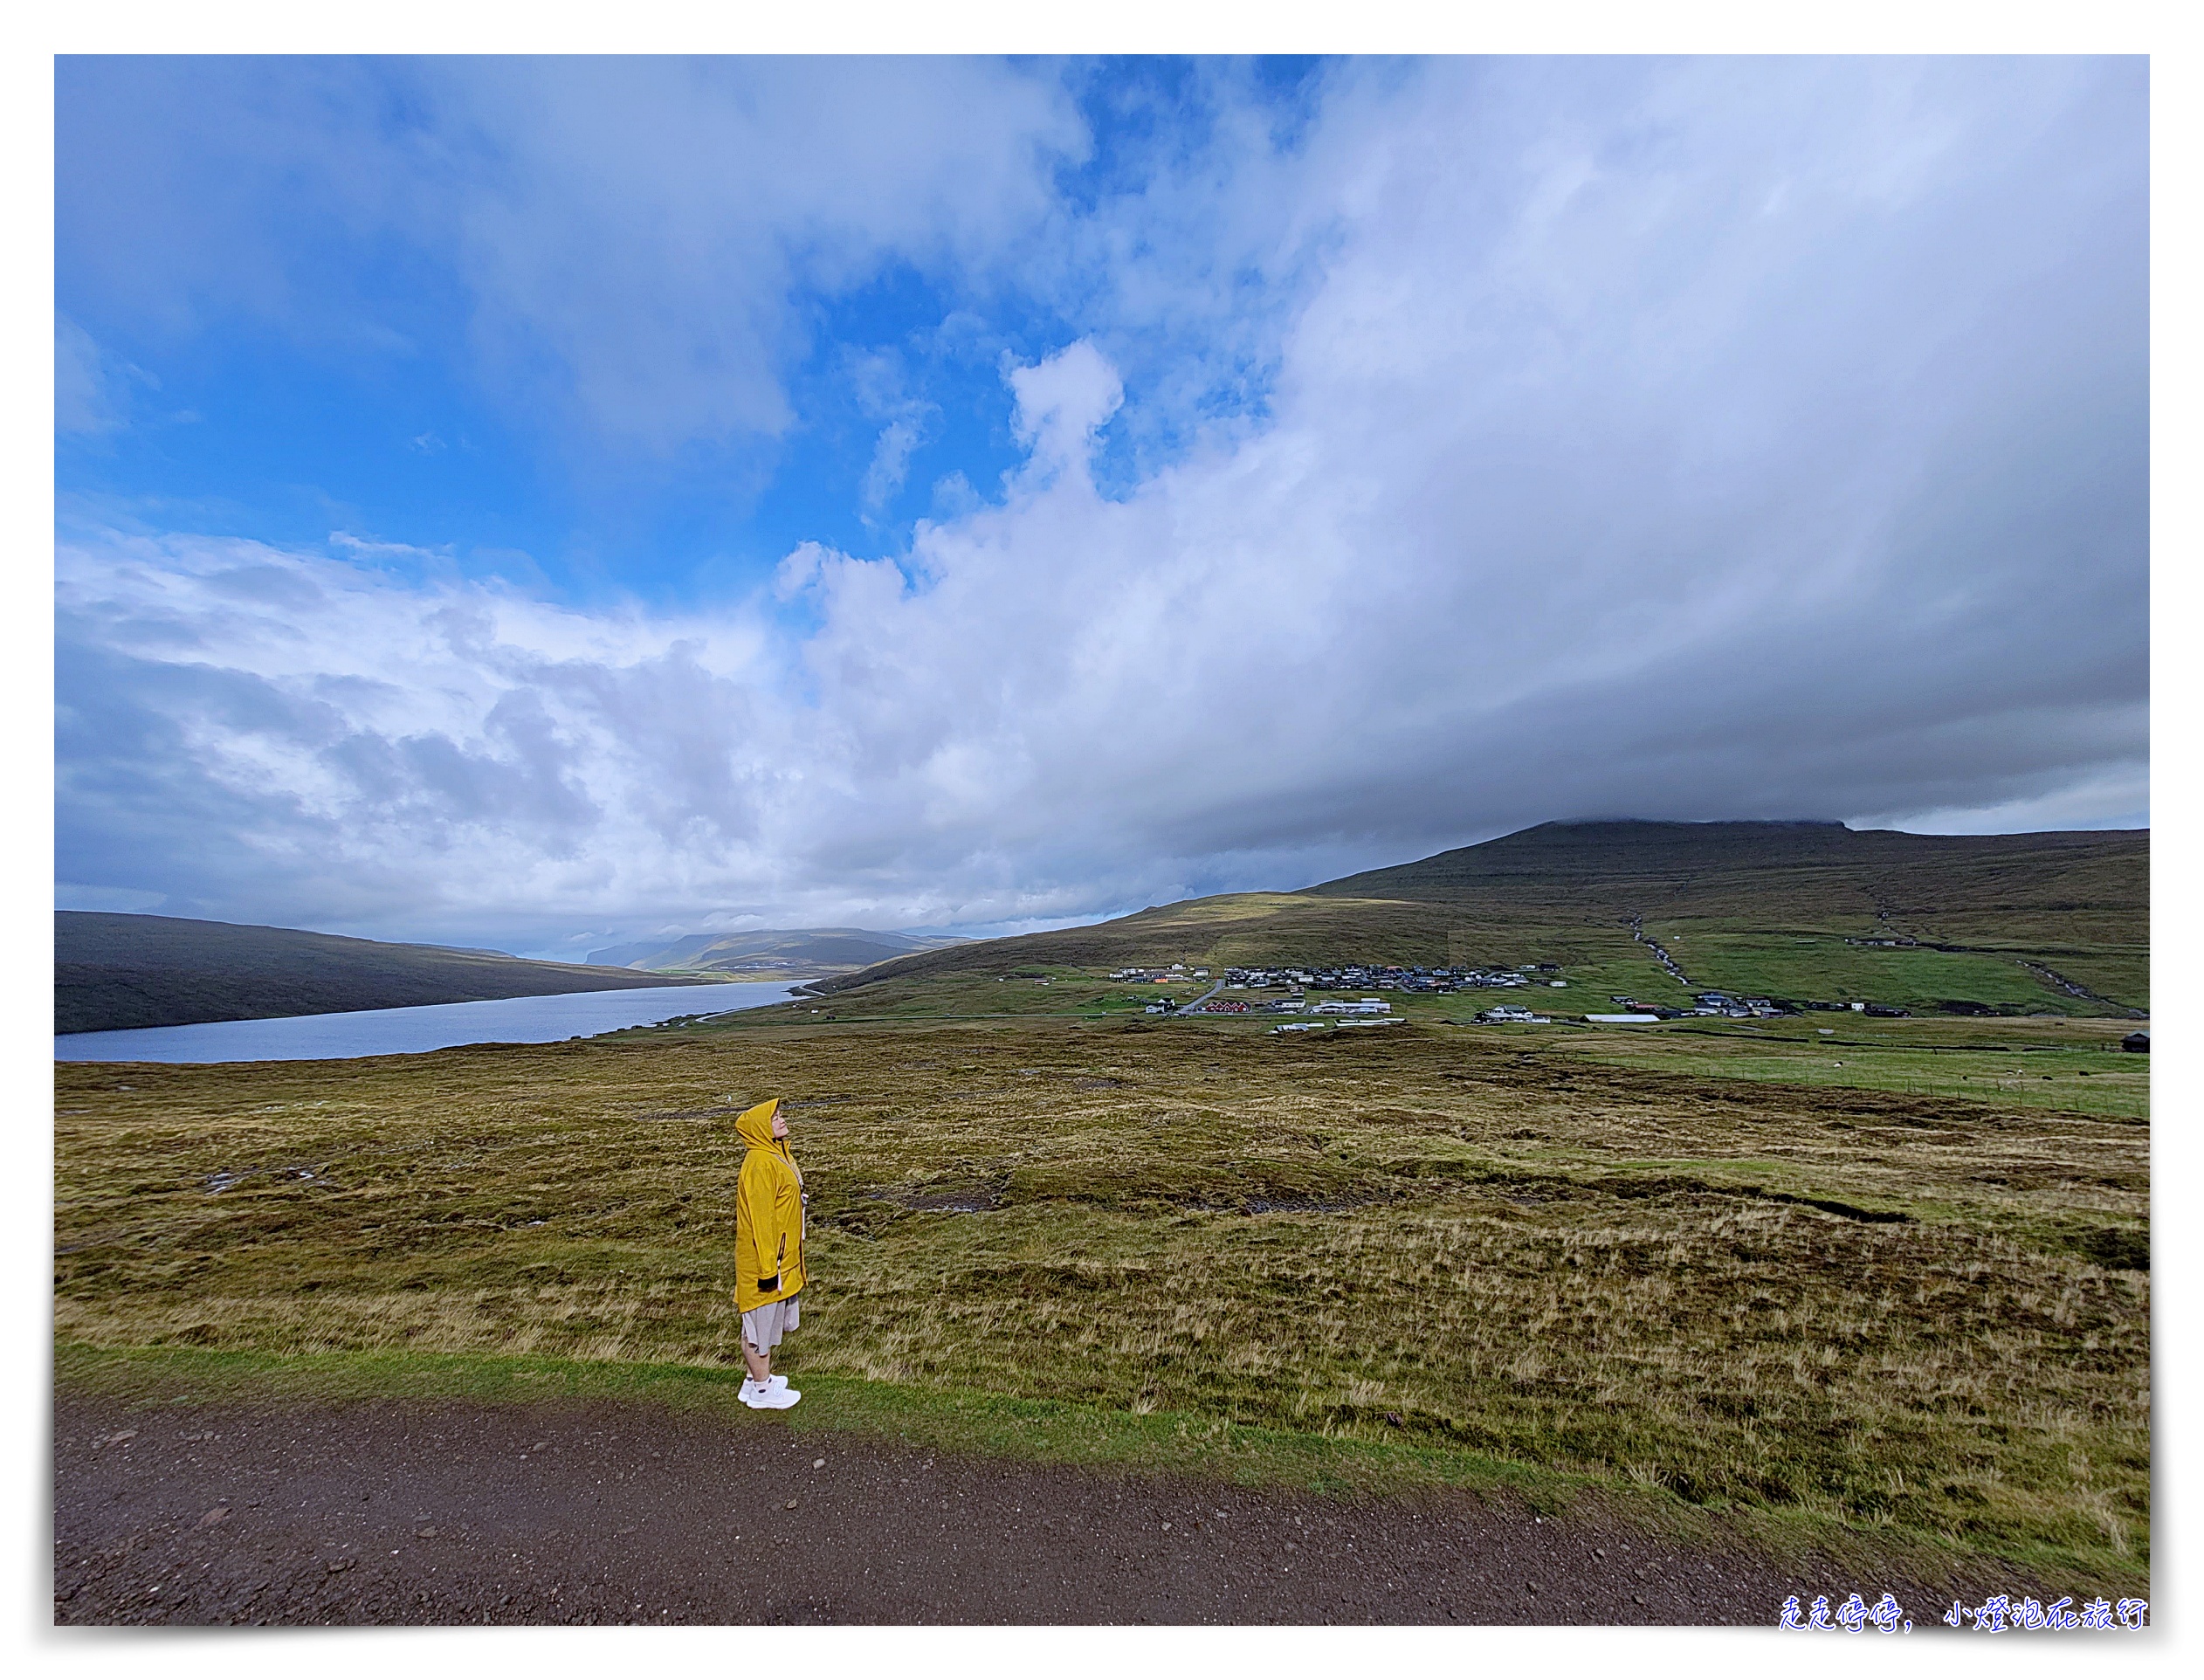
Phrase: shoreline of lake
(417, 1030)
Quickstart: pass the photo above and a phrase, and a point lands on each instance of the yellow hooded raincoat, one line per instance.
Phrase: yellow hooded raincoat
(768, 1213)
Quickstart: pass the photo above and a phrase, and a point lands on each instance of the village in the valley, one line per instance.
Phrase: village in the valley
(1289, 988)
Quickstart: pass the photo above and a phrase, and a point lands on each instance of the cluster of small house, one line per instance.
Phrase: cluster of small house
(1718, 1003)
(1330, 977)
(1629, 1009)
(1704, 1004)
(1512, 1015)
(1367, 1006)
(1747, 1008)
(1394, 977)
(1354, 976)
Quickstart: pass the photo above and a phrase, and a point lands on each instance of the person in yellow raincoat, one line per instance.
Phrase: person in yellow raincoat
(769, 1251)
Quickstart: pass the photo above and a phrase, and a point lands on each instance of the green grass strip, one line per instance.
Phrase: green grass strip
(995, 1425)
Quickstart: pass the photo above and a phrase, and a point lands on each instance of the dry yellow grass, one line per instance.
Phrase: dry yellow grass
(1898, 1312)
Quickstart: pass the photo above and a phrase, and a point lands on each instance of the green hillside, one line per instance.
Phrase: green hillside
(2090, 887)
(2055, 923)
(113, 971)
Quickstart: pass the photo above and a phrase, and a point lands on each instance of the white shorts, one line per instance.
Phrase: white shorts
(763, 1326)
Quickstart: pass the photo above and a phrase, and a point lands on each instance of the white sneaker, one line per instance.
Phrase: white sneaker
(770, 1399)
(750, 1385)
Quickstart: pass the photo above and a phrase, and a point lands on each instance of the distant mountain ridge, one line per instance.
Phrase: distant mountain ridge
(1694, 857)
(112, 971)
(794, 953)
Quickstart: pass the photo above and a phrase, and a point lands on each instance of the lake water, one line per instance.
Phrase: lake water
(409, 1032)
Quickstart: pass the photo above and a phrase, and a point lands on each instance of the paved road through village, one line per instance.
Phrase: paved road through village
(1188, 1008)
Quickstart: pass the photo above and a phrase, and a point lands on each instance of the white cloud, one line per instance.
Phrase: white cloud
(890, 464)
(1062, 403)
(1715, 439)
(375, 548)
(877, 377)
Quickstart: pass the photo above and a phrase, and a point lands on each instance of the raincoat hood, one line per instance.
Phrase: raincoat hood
(755, 1126)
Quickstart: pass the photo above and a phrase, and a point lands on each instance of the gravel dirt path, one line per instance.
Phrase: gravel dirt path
(440, 1513)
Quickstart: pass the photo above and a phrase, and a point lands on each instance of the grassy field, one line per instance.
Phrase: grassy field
(2045, 1062)
(1826, 967)
(1668, 1260)
(2049, 1061)
(2122, 972)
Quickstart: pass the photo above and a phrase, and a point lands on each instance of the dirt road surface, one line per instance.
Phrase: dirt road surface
(444, 1513)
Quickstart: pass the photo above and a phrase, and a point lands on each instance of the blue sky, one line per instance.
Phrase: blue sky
(539, 502)
(357, 398)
